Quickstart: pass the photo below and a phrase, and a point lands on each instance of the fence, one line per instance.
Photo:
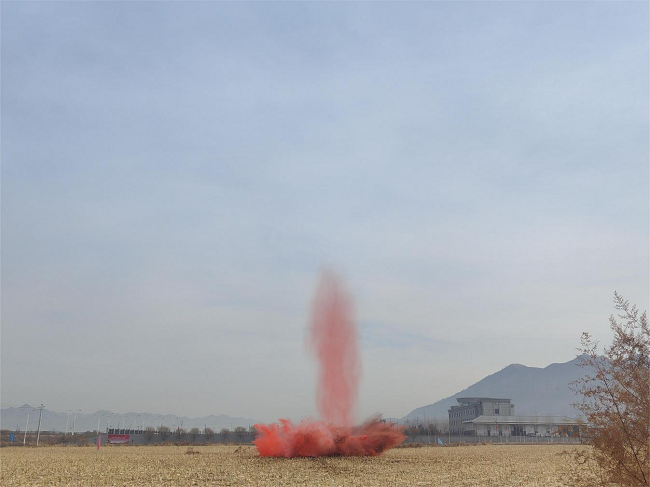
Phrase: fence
(454, 440)
(153, 439)
(247, 438)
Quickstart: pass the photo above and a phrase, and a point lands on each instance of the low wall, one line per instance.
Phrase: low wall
(446, 439)
(141, 439)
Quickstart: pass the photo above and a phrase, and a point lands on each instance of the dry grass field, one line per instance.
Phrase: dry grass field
(484, 465)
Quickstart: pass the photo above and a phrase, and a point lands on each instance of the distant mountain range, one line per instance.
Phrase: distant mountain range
(16, 417)
(533, 391)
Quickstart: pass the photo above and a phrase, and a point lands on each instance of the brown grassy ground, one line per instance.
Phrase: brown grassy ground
(485, 465)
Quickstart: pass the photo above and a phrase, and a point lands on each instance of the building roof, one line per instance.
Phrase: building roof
(523, 420)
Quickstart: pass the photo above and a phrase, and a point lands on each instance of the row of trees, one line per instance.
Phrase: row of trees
(433, 427)
(48, 438)
(165, 432)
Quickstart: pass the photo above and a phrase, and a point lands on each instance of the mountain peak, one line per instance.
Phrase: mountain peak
(533, 390)
(516, 366)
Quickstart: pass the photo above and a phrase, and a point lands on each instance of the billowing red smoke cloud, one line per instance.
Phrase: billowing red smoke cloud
(317, 438)
(334, 341)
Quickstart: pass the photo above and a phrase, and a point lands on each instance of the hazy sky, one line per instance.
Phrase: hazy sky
(175, 175)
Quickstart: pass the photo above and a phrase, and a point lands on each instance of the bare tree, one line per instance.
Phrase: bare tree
(164, 431)
(194, 432)
(616, 397)
(209, 433)
(434, 427)
(149, 432)
(224, 432)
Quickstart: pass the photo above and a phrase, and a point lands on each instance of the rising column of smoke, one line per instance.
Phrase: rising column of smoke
(334, 341)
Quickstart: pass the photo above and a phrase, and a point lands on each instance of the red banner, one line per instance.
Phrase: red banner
(117, 439)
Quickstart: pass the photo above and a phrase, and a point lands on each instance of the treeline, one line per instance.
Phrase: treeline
(46, 438)
(166, 434)
(433, 427)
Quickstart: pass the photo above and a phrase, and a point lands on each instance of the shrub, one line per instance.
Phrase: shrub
(616, 397)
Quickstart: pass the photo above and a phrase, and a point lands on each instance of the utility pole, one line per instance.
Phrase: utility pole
(40, 415)
(74, 421)
(26, 426)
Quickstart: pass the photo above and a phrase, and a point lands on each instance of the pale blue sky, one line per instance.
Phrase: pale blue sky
(174, 175)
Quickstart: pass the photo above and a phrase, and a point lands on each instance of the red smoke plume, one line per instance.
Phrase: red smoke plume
(316, 438)
(334, 340)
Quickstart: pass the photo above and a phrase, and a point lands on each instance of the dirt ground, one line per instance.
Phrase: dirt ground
(484, 465)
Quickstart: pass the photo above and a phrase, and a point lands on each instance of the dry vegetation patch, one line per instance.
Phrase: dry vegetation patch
(485, 465)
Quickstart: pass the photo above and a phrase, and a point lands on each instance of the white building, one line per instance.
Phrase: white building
(491, 416)
(522, 425)
(472, 407)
